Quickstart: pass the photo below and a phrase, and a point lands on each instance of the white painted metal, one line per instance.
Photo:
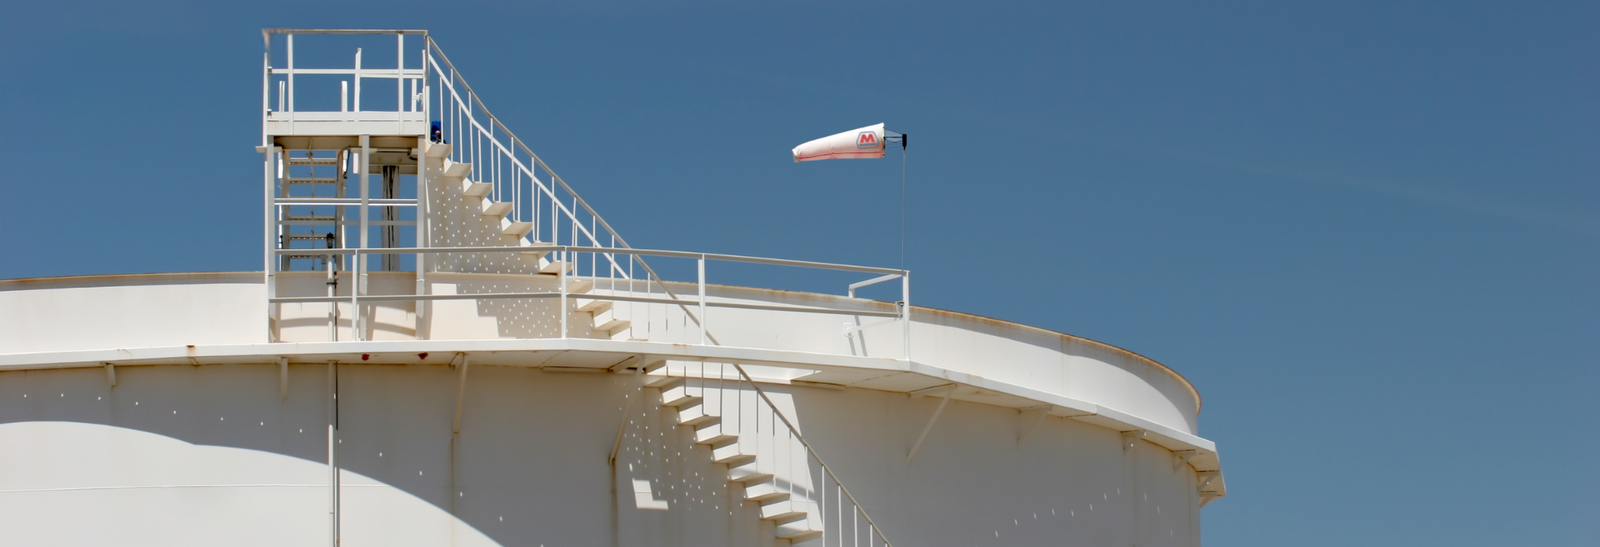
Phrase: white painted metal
(722, 462)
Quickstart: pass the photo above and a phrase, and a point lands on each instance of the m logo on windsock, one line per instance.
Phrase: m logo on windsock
(867, 139)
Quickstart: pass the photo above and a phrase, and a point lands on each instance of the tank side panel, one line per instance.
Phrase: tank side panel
(129, 316)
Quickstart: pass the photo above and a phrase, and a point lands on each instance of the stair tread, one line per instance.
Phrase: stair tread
(786, 517)
(720, 439)
(553, 267)
(800, 535)
(497, 208)
(736, 460)
(613, 325)
(769, 498)
(681, 402)
(665, 382)
(753, 479)
(517, 229)
(702, 421)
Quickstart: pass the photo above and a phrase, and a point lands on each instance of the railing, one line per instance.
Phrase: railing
(537, 194)
(746, 410)
(654, 311)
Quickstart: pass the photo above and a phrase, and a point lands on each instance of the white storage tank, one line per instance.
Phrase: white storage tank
(447, 346)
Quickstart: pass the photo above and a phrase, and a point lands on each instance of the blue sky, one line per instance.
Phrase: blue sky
(1366, 231)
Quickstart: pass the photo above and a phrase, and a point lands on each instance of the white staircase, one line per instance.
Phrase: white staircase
(781, 503)
(457, 179)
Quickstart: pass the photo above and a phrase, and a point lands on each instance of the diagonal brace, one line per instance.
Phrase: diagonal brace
(1043, 410)
(948, 389)
(461, 391)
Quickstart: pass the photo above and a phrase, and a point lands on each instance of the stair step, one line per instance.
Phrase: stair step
(437, 149)
(683, 402)
(313, 218)
(697, 417)
(791, 506)
(535, 254)
(797, 536)
(497, 209)
(736, 460)
(476, 189)
(580, 286)
(752, 478)
(313, 161)
(703, 420)
(554, 267)
(680, 389)
(457, 170)
(594, 306)
(613, 325)
(785, 517)
(313, 180)
(665, 382)
(768, 498)
(517, 229)
(306, 237)
(714, 437)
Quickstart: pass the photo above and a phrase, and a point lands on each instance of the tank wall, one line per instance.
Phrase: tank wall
(132, 311)
(184, 455)
(179, 309)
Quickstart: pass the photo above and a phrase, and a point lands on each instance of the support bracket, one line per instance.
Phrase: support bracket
(627, 410)
(1032, 424)
(111, 374)
(948, 389)
(461, 391)
(283, 377)
(1130, 438)
(640, 362)
(1180, 457)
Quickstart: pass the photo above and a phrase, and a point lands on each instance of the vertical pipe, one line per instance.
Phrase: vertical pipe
(270, 236)
(357, 80)
(423, 233)
(561, 279)
(266, 82)
(399, 72)
(333, 306)
(290, 53)
(702, 276)
(344, 96)
(333, 453)
(905, 312)
(357, 318)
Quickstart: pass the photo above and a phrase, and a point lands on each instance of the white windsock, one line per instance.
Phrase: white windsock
(866, 142)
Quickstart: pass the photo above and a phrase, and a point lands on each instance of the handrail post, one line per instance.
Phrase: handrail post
(561, 278)
(289, 51)
(702, 263)
(905, 312)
